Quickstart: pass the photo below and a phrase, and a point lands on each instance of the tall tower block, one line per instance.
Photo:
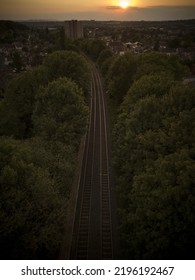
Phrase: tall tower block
(73, 29)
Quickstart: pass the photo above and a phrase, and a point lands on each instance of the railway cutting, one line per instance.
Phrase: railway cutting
(93, 222)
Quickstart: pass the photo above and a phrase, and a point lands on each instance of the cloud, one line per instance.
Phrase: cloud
(113, 12)
(164, 12)
(113, 7)
(156, 13)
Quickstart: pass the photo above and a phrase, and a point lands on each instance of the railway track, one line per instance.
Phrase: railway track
(93, 232)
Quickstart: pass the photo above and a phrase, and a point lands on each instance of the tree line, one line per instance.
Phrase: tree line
(153, 153)
(43, 116)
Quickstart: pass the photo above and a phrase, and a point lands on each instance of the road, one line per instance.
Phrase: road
(93, 222)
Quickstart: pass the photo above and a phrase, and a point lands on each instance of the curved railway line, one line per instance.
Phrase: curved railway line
(93, 228)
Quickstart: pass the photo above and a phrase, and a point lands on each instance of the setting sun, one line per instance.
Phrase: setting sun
(124, 4)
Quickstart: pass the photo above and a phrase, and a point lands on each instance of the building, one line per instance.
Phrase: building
(73, 29)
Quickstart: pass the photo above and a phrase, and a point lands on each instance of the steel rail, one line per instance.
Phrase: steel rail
(92, 233)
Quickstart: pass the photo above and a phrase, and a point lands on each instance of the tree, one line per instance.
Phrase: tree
(59, 159)
(121, 74)
(153, 158)
(17, 106)
(60, 113)
(162, 223)
(36, 172)
(174, 43)
(103, 56)
(93, 48)
(31, 209)
(69, 64)
(148, 85)
(156, 46)
(156, 62)
(62, 38)
(17, 61)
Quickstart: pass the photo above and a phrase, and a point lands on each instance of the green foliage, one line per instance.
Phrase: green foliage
(104, 55)
(156, 62)
(104, 61)
(31, 208)
(9, 30)
(62, 38)
(60, 113)
(36, 174)
(163, 221)
(93, 48)
(96, 47)
(105, 66)
(17, 61)
(122, 71)
(57, 158)
(17, 107)
(154, 156)
(153, 85)
(69, 64)
(120, 76)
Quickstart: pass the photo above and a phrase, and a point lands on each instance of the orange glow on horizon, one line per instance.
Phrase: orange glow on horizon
(124, 4)
(100, 10)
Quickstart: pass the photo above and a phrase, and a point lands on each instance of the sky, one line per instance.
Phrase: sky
(97, 9)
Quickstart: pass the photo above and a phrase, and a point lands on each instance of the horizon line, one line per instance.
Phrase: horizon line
(59, 20)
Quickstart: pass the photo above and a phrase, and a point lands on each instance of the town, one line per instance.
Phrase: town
(25, 44)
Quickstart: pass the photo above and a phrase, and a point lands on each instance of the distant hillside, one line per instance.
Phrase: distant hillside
(7, 25)
(9, 30)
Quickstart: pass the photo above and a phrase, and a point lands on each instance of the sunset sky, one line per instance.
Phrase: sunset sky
(97, 9)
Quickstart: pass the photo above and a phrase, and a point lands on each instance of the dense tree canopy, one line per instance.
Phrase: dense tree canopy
(121, 71)
(104, 61)
(93, 48)
(155, 62)
(154, 154)
(120, 76)
(31, 208)
(69, 64)
(45, 114)
(17, 107)
(104, 55)
(153, 142)
(43, 117)
(60, 112)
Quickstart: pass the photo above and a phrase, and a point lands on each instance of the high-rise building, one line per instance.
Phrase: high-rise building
(73, 29)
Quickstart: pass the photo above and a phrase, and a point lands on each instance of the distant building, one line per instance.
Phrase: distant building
(73, 29)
